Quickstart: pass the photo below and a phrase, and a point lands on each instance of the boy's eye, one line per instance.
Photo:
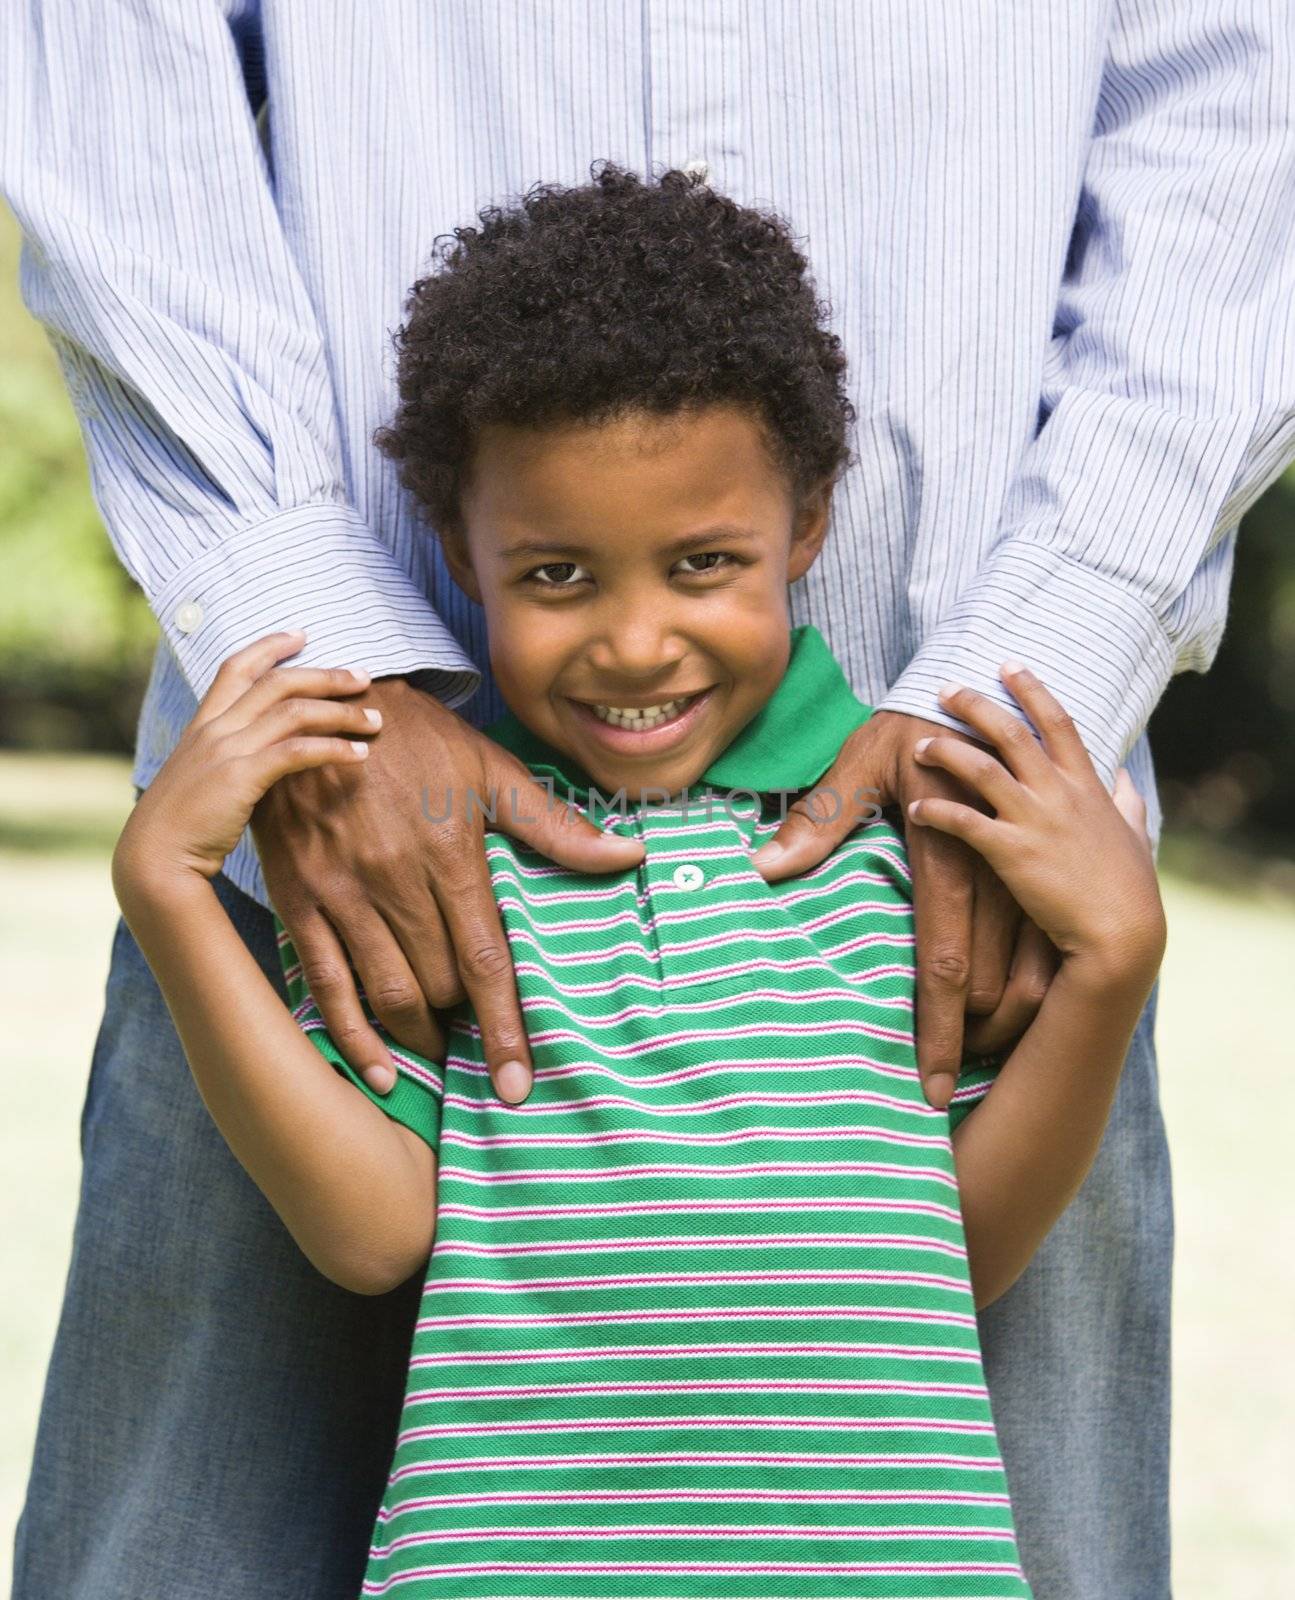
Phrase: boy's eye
(710, 560)
(562, 571)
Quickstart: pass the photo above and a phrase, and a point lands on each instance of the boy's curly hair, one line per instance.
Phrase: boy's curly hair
(584, 304)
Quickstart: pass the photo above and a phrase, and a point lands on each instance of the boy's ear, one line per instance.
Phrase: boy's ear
(454, 547)
(808, 531)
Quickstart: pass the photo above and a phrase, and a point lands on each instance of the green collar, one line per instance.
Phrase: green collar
(788, 745)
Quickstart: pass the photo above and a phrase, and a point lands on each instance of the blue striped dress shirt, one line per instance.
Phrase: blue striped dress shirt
(1056, 240)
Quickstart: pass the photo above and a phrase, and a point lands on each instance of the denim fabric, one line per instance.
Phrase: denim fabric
(1077, 1358)
(218, 1417)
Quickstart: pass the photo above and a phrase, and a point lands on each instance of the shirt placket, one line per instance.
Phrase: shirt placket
(686, 846)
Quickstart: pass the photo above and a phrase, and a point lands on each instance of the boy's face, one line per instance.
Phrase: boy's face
(640, 565)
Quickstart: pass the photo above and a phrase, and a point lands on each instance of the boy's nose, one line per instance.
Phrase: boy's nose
(635, 653)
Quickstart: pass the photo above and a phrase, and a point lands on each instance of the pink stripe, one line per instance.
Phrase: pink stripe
(539, 1391)
(771, 1241)
(921, 1141)
(889, 1461)
(748, 904)
(671, 1569)
(714, 1066)
(707, 1496)
(659, 1279)
(696, 1108)
(687, 1036)
(738, 1530)
(670, 1352)
(752, 1208)
(647, 980)
(557, 959)
(479, 1430)
(717, 1313)
(688, 1008)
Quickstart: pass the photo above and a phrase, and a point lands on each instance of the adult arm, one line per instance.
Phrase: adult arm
(1167, 406)
(156, 258)
(1168, 399)
(157, 261)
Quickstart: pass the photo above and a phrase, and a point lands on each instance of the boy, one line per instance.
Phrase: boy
(702, 1308)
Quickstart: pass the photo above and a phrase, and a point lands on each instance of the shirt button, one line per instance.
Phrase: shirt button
(698, 165)
(688, 876)
(188, 617)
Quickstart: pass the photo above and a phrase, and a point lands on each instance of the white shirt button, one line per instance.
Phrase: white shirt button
(698, 165)
(188, 617)
(688, 876)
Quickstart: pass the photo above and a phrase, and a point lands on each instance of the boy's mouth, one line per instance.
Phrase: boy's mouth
(642, 730)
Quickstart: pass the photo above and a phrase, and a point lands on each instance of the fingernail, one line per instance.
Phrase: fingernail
(1012, 665)
(360, 674)
(948, 689)
(769, 854)
(375, 717)
(513, 1082)
(920, 746)
(359, 746)
(379, 1079)
(915, 809)
(939, 1090)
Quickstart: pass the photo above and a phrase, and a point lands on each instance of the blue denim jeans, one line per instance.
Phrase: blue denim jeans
(218, 1418)
(1077, 1360)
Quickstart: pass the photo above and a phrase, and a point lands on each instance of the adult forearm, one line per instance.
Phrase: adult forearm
(355, 1189)
(1023, 1153)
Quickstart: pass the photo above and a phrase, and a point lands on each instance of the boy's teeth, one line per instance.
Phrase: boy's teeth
(641, 718)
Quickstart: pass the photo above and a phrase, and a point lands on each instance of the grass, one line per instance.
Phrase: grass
(1227, 1091)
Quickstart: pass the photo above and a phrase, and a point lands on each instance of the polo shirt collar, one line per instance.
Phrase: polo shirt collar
(788, 745)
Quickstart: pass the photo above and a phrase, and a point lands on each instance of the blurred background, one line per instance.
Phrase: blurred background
(76, 638)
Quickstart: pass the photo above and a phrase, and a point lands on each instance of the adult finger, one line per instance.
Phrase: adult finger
(818, 821)
(1034, 965)
(995, 921)
(424, 937)
(485, 965)
(394, 994)
(527, 810)
(942, 905)
(331, 984)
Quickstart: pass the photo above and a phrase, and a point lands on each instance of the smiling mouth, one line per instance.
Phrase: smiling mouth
(647, 729)
(642, 719)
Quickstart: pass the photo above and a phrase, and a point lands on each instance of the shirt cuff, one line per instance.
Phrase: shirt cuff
(1093, 642)
(318, 568)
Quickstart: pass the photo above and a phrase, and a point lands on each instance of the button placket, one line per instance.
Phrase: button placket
(684, 851)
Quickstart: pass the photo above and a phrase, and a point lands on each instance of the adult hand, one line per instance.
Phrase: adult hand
(363, 877)
(976, 953)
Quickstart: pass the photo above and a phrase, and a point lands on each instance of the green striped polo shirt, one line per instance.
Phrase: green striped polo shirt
(697, 1321)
